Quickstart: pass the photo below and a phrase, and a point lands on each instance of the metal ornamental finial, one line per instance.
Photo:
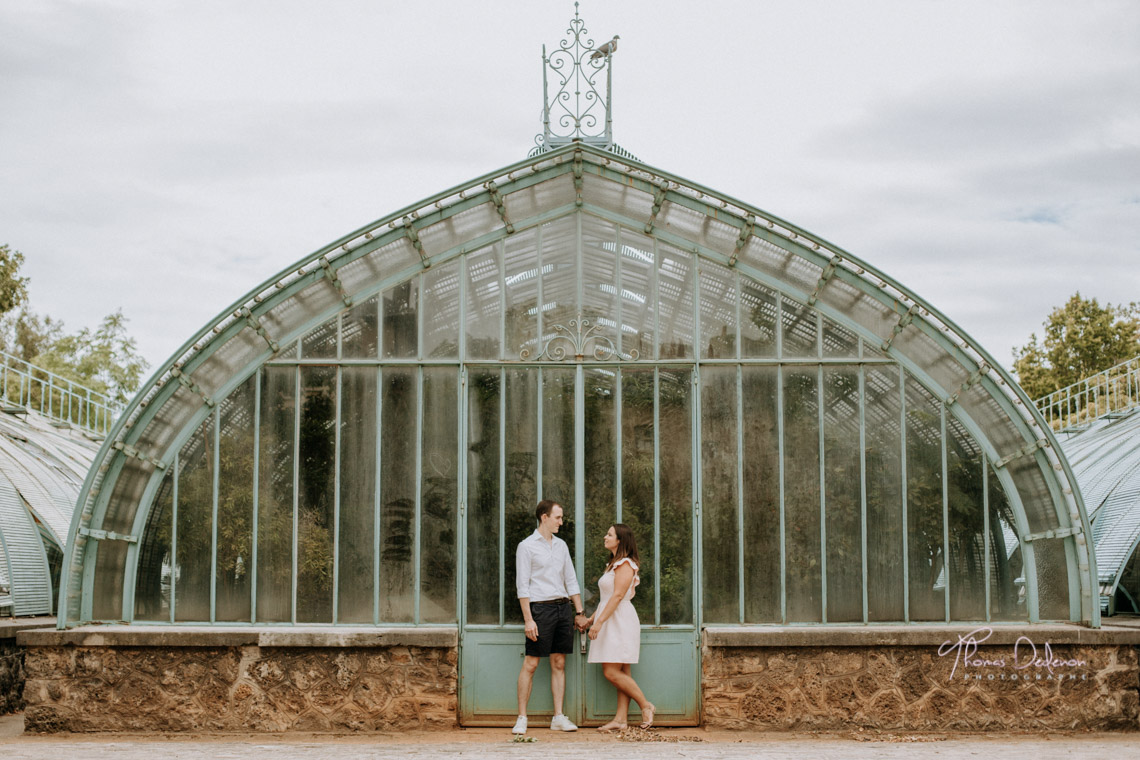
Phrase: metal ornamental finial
(578, 110)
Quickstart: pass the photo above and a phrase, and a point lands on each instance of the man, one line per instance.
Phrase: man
(547, 587)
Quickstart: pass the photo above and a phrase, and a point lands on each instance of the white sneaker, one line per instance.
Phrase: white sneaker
(562, 723)
(520, 726)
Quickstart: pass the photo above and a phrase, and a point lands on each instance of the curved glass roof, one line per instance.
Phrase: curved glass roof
(42, 466)
(804, 274)
(1105, 458)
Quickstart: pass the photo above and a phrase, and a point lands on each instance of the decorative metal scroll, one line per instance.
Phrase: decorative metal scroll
(578, 110)
(579, 341)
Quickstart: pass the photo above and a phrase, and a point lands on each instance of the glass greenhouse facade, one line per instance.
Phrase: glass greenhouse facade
(794, 437)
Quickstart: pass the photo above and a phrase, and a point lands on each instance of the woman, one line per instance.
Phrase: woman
(615, 631)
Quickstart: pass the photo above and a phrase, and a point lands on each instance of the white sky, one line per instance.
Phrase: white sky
(165, 157)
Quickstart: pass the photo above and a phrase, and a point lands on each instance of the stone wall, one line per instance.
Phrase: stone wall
(1075, 686)
(11, 677)
(240, 688)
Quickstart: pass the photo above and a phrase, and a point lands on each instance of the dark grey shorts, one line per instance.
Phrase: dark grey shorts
(555, 629)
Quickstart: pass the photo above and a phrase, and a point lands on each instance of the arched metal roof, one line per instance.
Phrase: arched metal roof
(40, 466)
(1105, 458)
(577, 178)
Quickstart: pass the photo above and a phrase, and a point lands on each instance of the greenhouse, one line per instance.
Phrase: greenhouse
(331, 477)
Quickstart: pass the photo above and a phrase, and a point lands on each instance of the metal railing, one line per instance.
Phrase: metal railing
(1116, 389)
(25, 387)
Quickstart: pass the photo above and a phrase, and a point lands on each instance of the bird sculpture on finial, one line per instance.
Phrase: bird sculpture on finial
(606, 50)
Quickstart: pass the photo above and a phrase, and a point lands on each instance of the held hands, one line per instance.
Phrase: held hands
(581, 622)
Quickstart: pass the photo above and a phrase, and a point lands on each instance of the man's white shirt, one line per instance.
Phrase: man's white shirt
(543, 569)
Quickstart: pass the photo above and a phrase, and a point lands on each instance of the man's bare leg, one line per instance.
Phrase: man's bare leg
(526, 681)
(558, 680)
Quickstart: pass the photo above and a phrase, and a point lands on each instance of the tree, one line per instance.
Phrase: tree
(13, 287)
(1081, 338)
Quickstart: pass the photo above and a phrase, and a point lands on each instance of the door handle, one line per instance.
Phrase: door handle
(582, 639)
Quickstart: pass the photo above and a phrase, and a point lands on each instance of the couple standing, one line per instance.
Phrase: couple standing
(547, 587)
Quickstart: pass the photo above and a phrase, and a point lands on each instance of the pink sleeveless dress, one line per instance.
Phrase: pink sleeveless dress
(619, 639)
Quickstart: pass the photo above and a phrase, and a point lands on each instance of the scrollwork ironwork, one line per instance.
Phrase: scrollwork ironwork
(578, 340)
(578, 110)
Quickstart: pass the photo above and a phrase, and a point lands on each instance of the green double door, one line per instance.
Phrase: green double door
(611, 443)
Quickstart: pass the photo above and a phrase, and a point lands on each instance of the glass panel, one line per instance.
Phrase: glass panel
(484, 301)
(924, 504)
(195, 514)
(838, 341)
(843, 495)
(557, 445)
(439, 509)
(674, 303)
(1052, 579)
(235, 505)
(719, 495)
(799, 329)
(441, 311)
(761, 496)
(356, 580)
(675, 470)
(316, 495)
(601, 474)
(275, 495)
(758, 320)
(638, 312)
(521, 278)
(560, 276)
(801, 494)
(637, 469)
(520, 484)
(1007, 580)
(967, 529)
(884, 495)
(401, 304)
(320, 342)
(718, 311)
(360, 330)
(152, 585)
(398, 476)
(483, 529)
(603, 298)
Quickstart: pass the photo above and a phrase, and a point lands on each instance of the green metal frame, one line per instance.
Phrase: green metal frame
(246, 313)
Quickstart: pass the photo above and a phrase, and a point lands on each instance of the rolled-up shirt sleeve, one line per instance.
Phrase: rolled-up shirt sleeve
(568, 576)
(522, 571)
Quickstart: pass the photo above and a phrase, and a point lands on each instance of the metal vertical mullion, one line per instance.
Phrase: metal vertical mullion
(503, 492)
(780, 454)
(174, 536)
(579, 464)
(417, 578)
(620, 297)
(617, 444)
(462, 309)
(697, 477)
(296, 486)
(657, 496)
(945, 514)
(905, 524)
(740, 491)
(461, 490)
(822, 495)
(337, 415)
(656, 351)
(501, 262)
(256, 493)
(376, 498)
(217, 415)
(863, 483)
(538, 288)
(986, 529)
(539, 438)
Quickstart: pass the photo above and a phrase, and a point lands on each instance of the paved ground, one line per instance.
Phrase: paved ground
(485, 744)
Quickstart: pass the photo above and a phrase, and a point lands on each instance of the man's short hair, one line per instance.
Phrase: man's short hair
(545, 507)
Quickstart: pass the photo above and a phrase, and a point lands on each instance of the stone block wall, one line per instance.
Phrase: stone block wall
(11, 677)
(1087, 687)
(244, 688)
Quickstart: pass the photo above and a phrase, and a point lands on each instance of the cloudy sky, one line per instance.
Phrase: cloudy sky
(164, 157)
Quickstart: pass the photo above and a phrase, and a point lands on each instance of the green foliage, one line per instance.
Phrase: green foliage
(1081, 338)
(13, 287)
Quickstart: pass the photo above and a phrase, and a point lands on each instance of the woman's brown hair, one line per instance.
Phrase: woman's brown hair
(627, 546)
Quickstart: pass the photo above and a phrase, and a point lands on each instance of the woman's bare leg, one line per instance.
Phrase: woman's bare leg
(619, 675)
